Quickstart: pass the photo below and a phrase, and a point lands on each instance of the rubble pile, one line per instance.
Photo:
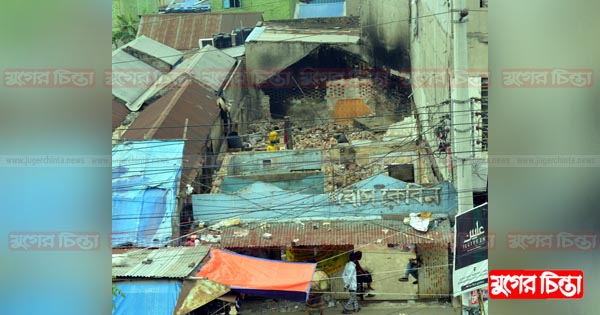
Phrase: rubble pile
(323, 137)
(340, 167)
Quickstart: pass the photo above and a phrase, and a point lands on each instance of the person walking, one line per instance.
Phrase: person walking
(350, 284)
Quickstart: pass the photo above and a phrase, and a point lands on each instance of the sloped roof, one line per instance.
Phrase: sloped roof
(182, 31)
(209, 66)
(119, 112)
(315, 233)
(172, 262)
(143, 200)
(165, 119)
(124, 63)
(155, 49)
(235, 51)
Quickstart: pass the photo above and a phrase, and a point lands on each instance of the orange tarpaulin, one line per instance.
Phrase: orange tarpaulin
(257, 274)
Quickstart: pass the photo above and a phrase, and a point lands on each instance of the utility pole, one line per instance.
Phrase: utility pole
(462, 136)
(462, 125)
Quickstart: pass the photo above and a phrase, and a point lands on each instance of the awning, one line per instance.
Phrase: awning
(257, 276)
(196, 293)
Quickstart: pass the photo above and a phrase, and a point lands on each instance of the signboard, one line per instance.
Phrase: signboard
(371, 198)
(470, 270)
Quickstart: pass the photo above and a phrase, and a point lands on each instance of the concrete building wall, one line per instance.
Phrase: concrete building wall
(235, 94)
(353, 7)
(252, 163)
(431, 56)
(272, 9)
(385, 25)
(302, 182)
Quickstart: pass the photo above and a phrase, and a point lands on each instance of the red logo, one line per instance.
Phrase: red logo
(535, 284)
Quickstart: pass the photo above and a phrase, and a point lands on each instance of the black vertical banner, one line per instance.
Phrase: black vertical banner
(471, 250)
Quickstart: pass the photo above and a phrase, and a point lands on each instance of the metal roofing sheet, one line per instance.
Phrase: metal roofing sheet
(317, 10)
(312, 233)
(156, 49)
(124, 63)
(209, 66)
(307, 37)
(182, 31)
(146, 297)
(236, 51)
(314, 30)
(255, 34)
(119, 112)
(143, 200)
(165, 119)
(172, 262)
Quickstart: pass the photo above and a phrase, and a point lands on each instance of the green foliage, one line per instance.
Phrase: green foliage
(125, 30)
(116, 292)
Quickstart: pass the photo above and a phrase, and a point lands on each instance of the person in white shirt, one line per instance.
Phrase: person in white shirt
(349, 277)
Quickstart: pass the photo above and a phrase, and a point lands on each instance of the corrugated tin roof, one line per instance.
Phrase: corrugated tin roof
(236, 51)
(165, 119)
(313, 233)
(316, 30)
(124, 63)
(155, 49)
(209, 66)
(173, 262)
(317, 10)
(182, 31)
(119, 112)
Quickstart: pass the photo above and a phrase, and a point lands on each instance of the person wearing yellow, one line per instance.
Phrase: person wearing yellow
(273, 140)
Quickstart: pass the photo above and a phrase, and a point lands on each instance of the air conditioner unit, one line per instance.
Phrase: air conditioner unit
(205, 42)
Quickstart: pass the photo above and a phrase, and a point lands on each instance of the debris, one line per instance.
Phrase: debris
(268, 236)
(226, 223)
(211, 238)
(242, 233)
(418, 223)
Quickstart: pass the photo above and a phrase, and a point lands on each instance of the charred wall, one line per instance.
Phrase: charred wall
(385, 25)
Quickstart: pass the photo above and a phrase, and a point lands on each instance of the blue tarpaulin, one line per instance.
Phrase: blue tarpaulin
(321, 10)
(145, 175)
(147, 297)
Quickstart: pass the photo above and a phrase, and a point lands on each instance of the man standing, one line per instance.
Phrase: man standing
(349, 276)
